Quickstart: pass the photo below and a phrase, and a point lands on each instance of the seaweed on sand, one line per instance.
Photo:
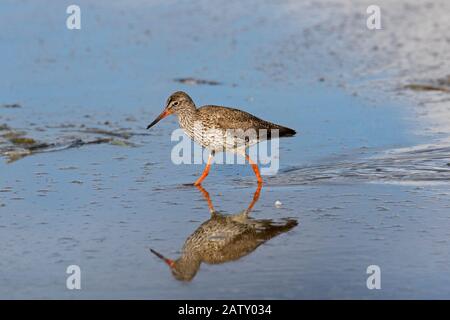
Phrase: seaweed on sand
(442, 84)
(15, 145)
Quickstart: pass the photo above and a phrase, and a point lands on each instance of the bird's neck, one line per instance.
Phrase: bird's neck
(187, 117)
(187, 266)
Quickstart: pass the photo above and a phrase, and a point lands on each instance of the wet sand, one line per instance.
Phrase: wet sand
(366, 179)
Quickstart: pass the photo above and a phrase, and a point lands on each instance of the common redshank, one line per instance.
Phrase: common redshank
(210, 126)
(224, 238)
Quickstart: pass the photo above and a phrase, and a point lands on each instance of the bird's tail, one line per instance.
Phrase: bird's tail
(286, 132)
(268, 229)
(282, 131)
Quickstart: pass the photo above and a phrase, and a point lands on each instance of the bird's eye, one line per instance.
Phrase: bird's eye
(175, 103)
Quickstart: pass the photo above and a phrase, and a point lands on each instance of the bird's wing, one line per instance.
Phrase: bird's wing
(230, 118)
(219, 117)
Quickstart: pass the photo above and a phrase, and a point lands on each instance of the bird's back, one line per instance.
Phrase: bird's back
(223, 238)
(224, 118)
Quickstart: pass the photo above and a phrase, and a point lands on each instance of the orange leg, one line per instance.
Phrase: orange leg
(206, 196)
(249, 208)
(205, 172)
(255, 169)
(255, 197)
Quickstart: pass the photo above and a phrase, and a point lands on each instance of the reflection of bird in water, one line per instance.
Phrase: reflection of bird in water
(224, 238)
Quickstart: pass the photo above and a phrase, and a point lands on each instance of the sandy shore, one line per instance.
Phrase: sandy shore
(411, 49)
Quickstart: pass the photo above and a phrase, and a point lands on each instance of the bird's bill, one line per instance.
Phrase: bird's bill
(163, 114)
(168, 261)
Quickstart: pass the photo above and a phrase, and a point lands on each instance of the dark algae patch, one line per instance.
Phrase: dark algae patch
(121, 134)
(194, 81)
(426, 87)
(442, 85)
(11, 106)
(23, 141)
(15, 145)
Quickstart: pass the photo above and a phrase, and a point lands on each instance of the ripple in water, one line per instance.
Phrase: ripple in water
(425, 164)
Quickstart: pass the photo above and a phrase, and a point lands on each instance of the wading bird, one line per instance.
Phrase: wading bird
(210, 126)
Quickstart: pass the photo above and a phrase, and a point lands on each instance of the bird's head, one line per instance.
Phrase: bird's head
(176, 103)
(183, 269)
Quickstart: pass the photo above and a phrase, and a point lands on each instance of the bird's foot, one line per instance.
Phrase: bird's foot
(192, 184)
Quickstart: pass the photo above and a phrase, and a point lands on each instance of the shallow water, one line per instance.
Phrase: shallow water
(361, 180)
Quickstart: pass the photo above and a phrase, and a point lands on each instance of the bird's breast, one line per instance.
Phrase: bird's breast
(215, 138)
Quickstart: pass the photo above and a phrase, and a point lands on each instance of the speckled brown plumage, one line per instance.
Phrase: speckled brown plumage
(211, 117)
(225, 238)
